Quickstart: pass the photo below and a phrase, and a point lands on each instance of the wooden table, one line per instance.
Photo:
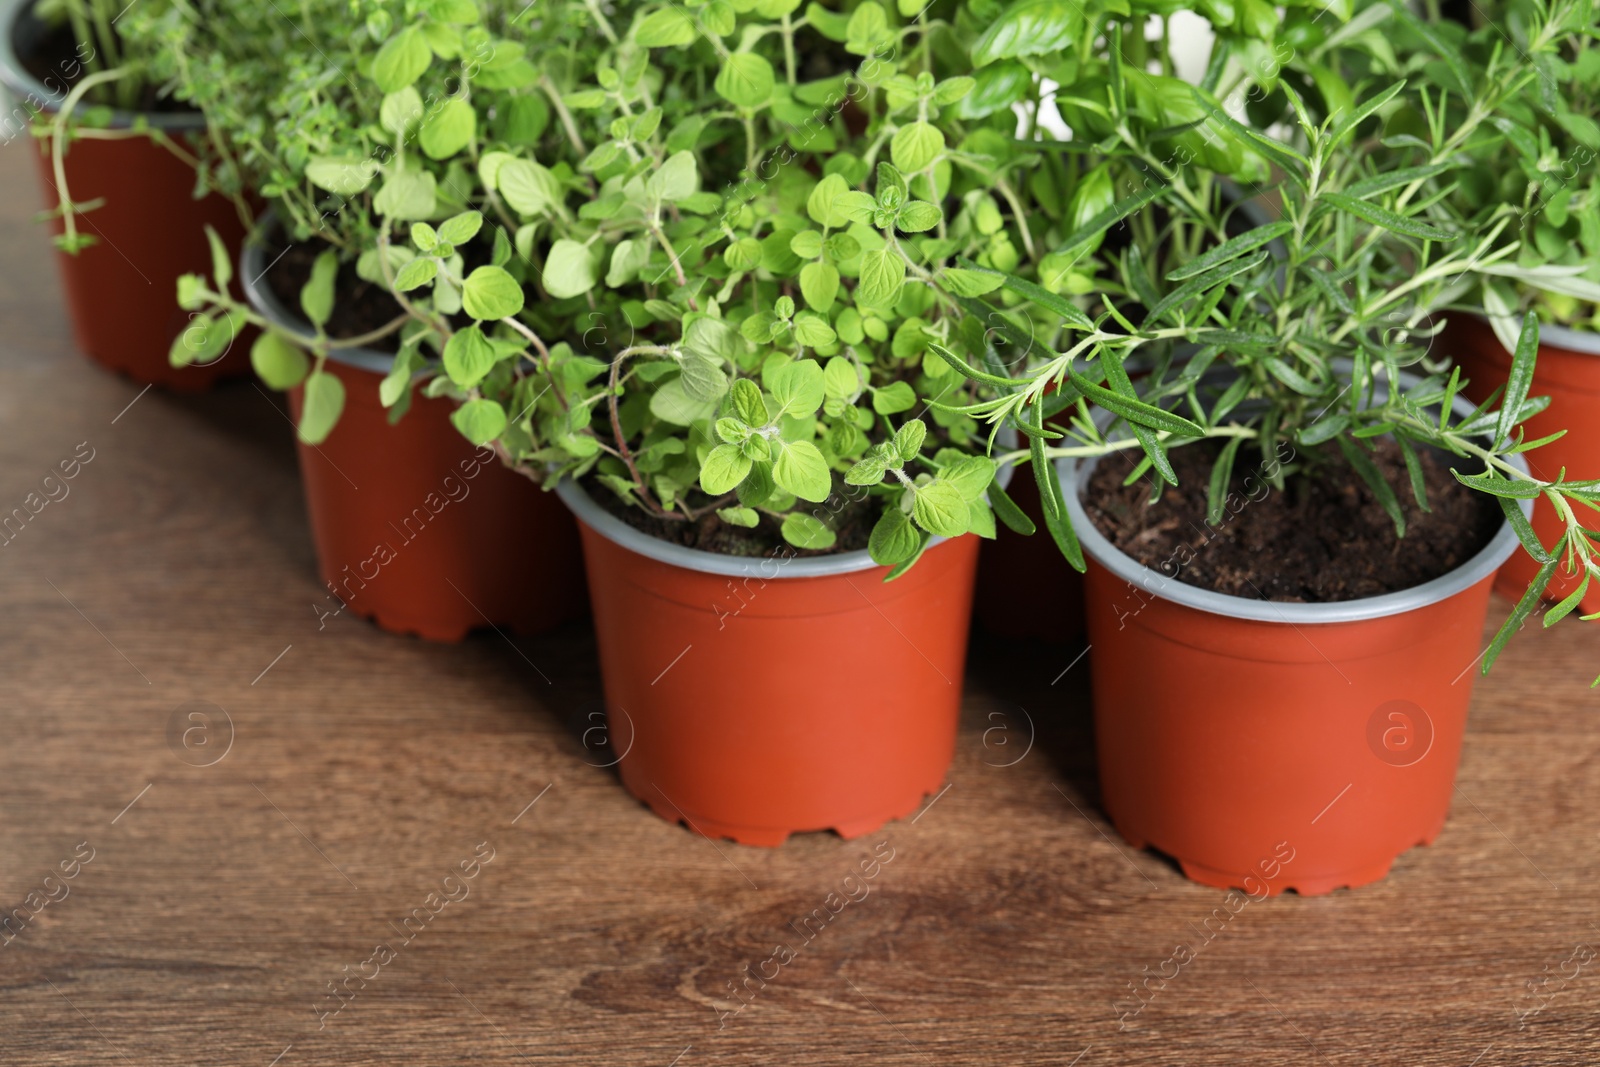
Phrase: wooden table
(223, 901)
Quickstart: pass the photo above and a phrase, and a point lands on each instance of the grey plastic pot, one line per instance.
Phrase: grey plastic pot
(1268, 746)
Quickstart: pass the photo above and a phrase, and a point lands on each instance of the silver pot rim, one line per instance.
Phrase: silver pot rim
(253, 267)
(1074, 474)
(613, 529)
(16, 77)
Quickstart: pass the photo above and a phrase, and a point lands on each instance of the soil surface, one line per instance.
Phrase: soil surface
(851, 520)
(359, 306)
(1321, 540)
(56, 64)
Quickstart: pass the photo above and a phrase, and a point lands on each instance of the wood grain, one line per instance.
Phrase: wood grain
(222, 900)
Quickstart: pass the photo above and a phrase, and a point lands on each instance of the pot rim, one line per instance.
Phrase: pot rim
(16, 77)
(613, 529)
(253, 267)
(1582, 342)
(1074, 475)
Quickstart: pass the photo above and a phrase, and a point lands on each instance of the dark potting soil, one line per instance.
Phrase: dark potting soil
(1323, 539)
(850, 520)
(359, 306)
(55, 62)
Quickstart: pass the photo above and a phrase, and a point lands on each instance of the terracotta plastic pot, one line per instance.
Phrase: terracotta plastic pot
(414, 528)
(1568, 372)
(754, 698)
(1269, 746)
(122, 292)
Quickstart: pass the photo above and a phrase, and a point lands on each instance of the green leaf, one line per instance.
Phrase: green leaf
(894, 539)
(479, 421)
(1382, 183)
(677, 179)
(801, 469)
(807, 531)
(1231, 249)
(668, 27)
(908, 441)
(855, 206)
(971, 476)
(1568, 603)
(882, 274)
(962, 282)
(724, 468)
(894, 398)
(569, 269)
(401, 60)
(320, 408)
(416, 274)
(1108, 218)
(819, 285)
(450, 129)
(316, 296)
(749, 518)
(940, 509)
(1519, 614)
(1507, 488)
(528, 187)
(1293, 163)
(1349, 122)
(1047, 300)
(1221, 475)
(819, 205)
(671, 403)
(1136, 410)
(491, 293)
(468, 357)
(746, 80)
(277, 362)
(914, 147)
(1524, 530)
(812, 330)
(401, 111)
(1385, 218)
(748, 404)
(1052, 505)
(1008, 511)
(407, 195)
(460, 229)
(799, 388)
(1519, 379)
(918, 216)
(1370, 474)
(1029, 28)
(396, 385)
(221, 262)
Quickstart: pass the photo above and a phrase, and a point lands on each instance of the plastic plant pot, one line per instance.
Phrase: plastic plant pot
(751, 698)
(1568, 372)
(1270, 746)
(122, 292)
(414, 528)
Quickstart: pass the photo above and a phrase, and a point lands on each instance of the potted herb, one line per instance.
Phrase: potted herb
(729, 315)
(415, 527)
(123, 169)
(1288, 580)
(1540, 172)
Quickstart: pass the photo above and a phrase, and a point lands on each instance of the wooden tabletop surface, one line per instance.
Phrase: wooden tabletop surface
(214, 906)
